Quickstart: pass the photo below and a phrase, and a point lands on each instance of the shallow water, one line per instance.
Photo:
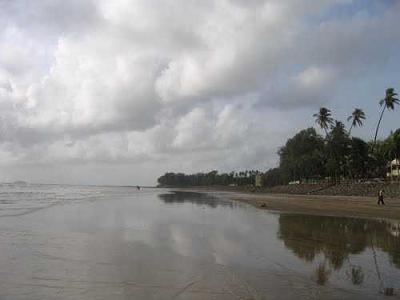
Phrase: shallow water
(72, 242)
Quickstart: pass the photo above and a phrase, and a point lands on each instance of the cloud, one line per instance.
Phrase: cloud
(182, 85)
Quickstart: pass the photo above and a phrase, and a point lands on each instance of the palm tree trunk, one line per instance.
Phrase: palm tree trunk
(378, 273)
(377, 127)
(351, 127)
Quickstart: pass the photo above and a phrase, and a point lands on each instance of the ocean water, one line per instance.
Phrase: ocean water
(86, 242)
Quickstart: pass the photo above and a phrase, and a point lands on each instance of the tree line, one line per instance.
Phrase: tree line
(210, 178)
(309, 155)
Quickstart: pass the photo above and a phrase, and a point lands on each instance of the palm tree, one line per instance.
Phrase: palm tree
(388, 102)
(323, 118)
(356, 118)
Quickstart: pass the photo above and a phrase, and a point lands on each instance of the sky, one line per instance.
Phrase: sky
(120, 92)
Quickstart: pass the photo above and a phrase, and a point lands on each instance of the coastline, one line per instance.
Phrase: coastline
(338, 206)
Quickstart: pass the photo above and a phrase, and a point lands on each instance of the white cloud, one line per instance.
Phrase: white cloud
(158, 83)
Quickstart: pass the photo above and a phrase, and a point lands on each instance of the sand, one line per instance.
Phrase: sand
(346, 206)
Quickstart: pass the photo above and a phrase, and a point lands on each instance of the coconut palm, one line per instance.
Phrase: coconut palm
(356, 118)
(323, 119)
(388, 102)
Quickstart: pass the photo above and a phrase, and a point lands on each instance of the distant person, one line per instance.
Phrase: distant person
(138, 187)
(380, 198)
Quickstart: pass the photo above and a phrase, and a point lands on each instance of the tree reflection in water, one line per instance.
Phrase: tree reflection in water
(357, 275)
(337, 239)
(322, 273)
(201, 199)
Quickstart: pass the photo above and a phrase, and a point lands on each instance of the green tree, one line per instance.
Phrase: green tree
(395, 144)
(380, 154)
(323, 119)
(338, 147)
(356, 118)
(388, 103)
(358, 158)
(302, 156)
(272, 177)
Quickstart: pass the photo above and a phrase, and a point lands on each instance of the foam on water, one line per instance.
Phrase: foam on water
(23, 198)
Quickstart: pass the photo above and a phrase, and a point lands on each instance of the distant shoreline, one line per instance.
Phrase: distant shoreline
(340, 206)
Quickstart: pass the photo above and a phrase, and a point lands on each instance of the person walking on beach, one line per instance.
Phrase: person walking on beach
(380, 198)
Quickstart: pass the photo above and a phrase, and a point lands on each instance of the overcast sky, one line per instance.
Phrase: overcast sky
(119, 92)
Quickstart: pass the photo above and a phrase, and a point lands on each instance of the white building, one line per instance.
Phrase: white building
(393, 169)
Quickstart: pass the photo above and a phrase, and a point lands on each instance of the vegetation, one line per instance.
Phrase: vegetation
(308, 156)
(211, 178)
(302, 156)
(388, 103)
(356, 118)
(323, 119)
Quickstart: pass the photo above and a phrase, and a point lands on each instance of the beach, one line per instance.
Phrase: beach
(326, 205)
(91, 242)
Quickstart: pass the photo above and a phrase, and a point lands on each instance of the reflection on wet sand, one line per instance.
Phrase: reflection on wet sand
(130, 244)
(337, 239)
(322, 273)
(194, 198)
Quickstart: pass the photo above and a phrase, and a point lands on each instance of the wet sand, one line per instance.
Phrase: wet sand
(342, 206)
(120, 243)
